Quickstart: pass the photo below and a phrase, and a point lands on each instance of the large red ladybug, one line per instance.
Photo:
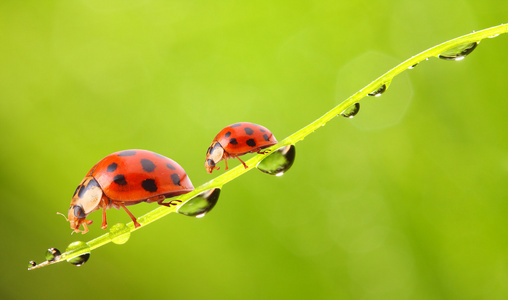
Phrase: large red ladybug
(235, 140)
(127, 178)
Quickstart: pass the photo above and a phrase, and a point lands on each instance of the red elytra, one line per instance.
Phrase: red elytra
(126, 178)
(236, 140)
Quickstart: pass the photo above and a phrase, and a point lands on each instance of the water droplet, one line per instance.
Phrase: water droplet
(31, 264)
(413, 66)
(379, 91)
(79, 260)
(200, 205)
(279, 161)
(459, 52)
(119, 233)
(79, 247)
(53, 254)
(351, 111)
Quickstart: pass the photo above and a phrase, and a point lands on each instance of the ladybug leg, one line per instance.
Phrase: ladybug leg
(85, 229)
(136, 224)
(155, 199)
(260, 151)
(161, 198)
(226, 162)
(104, 204)
(85, 222)
(104, 222)
(242, 162)
(170, 203)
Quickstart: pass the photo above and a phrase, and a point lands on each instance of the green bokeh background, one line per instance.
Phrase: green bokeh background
(408, 200)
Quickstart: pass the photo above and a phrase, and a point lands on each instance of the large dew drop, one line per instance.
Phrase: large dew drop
(78, 246)
(119, 233)
(351, 111)
(79, 260)
(279, 161)
(459, 52)
(200, 205)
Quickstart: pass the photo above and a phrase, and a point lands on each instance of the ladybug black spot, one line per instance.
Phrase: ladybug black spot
(77, 189)
(149, 185)
(112, 167)
(81, 191)
(266, 137)
(147, 165)
(216, 145)
(92, 183)
(248, 130)
(251, 142)
(170, 166)
(262, 130)
(120, 179)
(175, 178)
(236, 125)
(127, 153)
(233, 141)
(228, 134)
(158, 155)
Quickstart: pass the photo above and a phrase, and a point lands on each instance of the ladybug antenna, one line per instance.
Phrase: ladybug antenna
(59, 213)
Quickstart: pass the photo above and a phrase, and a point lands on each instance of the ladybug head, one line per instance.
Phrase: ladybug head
(76, 217)
(213, 156)
(86, 199)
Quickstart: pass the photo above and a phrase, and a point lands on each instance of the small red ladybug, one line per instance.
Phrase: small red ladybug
(127, 178)
(235, 140)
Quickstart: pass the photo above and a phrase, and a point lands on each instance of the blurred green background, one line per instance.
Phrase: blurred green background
(408, 200)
